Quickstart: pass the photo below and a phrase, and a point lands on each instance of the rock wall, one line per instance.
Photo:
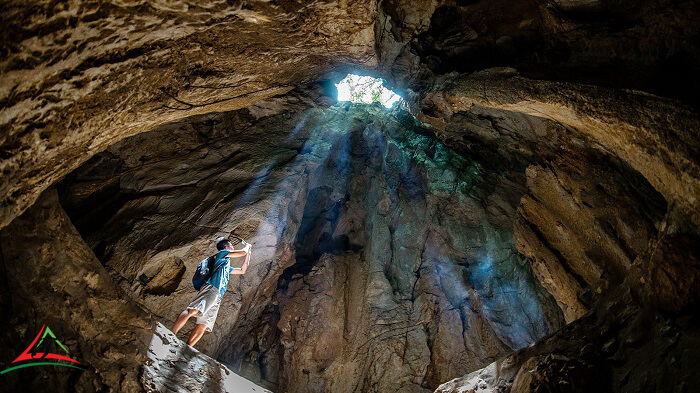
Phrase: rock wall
(653, 135)
(340, 294)
(51, 277)
(602, 175)
(423, 280)
(78, 77)
(645, 45)
(624, 345)
(583, 222)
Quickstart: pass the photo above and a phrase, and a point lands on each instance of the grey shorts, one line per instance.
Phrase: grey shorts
(207, 303)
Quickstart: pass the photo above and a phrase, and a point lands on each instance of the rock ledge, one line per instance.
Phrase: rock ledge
(173, 366)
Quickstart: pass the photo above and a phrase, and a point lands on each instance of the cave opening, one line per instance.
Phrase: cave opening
(366, 89)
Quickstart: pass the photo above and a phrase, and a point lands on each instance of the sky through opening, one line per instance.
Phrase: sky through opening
(365, 89)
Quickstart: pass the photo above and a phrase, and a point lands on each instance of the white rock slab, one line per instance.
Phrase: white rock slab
(174, 366)
(480, 381)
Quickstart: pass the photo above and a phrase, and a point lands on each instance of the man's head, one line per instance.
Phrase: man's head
(223, 243)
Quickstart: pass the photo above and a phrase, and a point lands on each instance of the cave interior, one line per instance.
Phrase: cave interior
(441, 196)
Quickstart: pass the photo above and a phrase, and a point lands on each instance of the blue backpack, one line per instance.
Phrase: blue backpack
(205, 269)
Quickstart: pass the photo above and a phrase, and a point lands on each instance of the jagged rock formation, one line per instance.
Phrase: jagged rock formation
(65, 65)
(545, 173)
(635, 127)
(583, 221)
(174, 366)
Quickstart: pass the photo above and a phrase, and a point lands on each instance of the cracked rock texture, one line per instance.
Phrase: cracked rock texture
(653, 135)
(79, 76)
(624, 345)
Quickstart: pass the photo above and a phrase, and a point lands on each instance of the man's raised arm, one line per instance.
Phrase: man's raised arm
(236, 254)
(244, 252)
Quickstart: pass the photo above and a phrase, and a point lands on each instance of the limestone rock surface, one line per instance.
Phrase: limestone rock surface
(623, 345)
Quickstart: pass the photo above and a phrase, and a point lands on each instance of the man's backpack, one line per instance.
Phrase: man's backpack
(205, 269)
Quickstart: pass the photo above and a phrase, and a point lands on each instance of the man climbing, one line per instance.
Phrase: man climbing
(205, 305)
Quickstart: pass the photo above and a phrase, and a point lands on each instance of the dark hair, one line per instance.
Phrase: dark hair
(222, 243)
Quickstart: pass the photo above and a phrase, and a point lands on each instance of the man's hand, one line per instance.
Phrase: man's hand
(247, 248)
